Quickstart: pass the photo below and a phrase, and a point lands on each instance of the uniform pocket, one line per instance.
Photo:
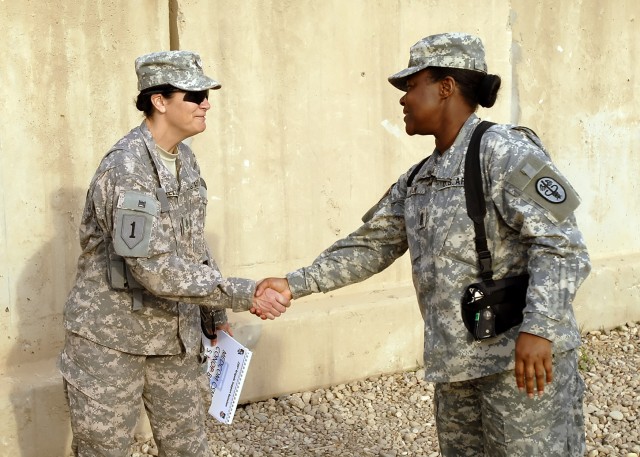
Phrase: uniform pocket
(99, 372)
(416, 216)
(454, 232)
(198, 205)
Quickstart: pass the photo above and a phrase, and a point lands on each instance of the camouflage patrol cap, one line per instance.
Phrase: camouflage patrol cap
(181, 69)
(451, 50)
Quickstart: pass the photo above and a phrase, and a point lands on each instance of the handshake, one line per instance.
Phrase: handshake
(272, 298)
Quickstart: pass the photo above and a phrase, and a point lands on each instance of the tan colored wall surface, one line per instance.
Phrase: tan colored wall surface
(67, 82)
(305, 135)
(577, 80)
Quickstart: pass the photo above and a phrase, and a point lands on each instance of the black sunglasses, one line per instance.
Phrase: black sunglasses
(196, 97)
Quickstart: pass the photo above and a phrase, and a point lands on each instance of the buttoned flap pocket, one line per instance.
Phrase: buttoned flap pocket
(201, 197)
(450, 228)
(136, 216)
(416, 215)
(190, 217)
(453, 231)
(203, 190)
(200, 200)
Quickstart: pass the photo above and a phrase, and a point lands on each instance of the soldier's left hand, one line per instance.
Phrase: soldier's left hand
(534, 367)
(225, 327)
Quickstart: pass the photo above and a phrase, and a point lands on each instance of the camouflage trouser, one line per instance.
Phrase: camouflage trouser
(105, 388)
(490, 417)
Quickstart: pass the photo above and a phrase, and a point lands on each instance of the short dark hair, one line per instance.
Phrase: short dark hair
(143, 102)
(477, 88)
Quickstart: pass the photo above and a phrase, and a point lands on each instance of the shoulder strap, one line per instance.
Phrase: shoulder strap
(415, 171)
(474, 196)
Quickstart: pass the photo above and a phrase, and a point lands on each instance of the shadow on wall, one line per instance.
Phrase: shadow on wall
(37, 398)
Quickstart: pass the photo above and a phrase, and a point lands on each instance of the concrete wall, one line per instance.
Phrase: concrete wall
(67, 82)
(303, 138)
(577, 84)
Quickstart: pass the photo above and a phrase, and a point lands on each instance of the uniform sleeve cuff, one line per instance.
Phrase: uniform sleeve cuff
(243, 291)
(539, 325)
(298, 284)
(220, 317)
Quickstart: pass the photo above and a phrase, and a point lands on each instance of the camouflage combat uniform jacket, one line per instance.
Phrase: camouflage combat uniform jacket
(525, 231)
(137, 212)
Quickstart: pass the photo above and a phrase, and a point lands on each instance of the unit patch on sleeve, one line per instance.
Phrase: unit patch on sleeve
(551, 190)
(133, 224)
(545, 186)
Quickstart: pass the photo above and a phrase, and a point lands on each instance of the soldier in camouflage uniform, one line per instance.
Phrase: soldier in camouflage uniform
(480, 408)
(133, 317)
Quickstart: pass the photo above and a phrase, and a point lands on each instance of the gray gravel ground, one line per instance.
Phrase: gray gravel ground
(392, 415)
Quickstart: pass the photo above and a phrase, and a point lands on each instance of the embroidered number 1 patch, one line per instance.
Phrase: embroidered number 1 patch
(134, 220)
(132, 229)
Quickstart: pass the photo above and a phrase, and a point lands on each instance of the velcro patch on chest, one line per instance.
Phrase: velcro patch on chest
(545, 186)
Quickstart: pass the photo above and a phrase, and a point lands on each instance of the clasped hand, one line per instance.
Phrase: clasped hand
(272, 298)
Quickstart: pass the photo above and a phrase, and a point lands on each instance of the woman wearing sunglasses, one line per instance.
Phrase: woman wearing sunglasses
(146, 284)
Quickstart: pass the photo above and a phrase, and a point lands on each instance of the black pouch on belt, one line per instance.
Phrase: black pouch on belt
(492, 307)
